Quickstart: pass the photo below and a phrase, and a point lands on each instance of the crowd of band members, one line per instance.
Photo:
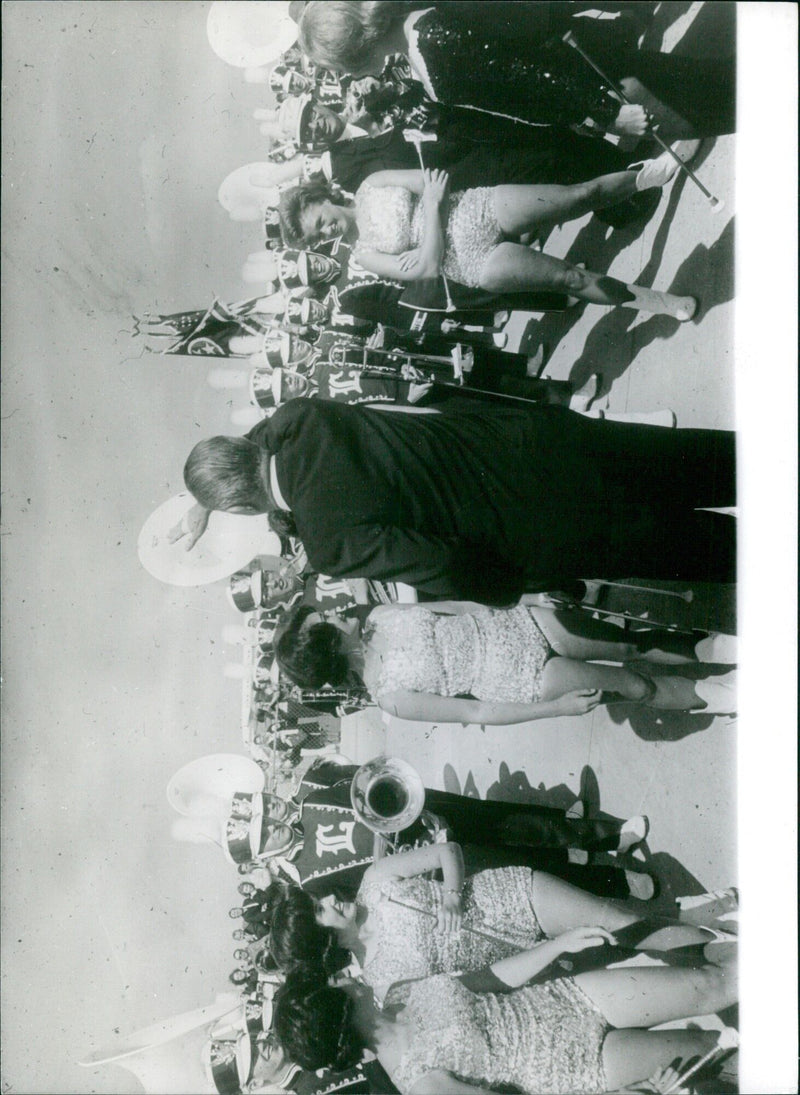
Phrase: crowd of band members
(326, 327)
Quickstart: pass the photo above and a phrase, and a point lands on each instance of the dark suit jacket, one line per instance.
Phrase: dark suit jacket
(481, 501)
(479, 150)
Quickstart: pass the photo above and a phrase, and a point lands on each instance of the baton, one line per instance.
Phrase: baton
(717, 204)
(562, 966)
(416, 137)
(464, 928)
(578, 606)
(713, 1052)
(687, 596)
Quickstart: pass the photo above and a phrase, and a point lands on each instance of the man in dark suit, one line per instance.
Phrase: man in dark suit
(332, 847)
(481, 502)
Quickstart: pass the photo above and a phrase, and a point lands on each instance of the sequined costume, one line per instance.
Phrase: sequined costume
(511, 61)
(542, 81)
(406, 945)
(491, 654)
(391, 220)
(542, 1038)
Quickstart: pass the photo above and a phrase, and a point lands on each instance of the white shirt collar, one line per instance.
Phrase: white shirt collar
(274, 485)
(351, 131)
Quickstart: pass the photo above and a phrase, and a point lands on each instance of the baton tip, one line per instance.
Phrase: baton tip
(717, 205)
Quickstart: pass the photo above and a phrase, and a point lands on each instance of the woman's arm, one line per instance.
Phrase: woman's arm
(412, 180)
(665, 1080)
(521, 968)
(426, 707)
(426, 260)
(386, 266)
(447, 858)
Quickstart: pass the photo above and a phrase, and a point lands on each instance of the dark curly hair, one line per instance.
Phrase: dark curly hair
(313, 1022)
(312, 657)
(296, 939)
(294, 202)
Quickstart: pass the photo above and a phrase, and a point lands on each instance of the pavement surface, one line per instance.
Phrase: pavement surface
(678, 769)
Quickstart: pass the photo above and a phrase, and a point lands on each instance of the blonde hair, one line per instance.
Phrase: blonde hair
(340, 34)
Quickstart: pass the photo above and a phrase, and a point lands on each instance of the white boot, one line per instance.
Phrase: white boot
(659, 171)
(661, 304)
(640, 885)
(633, 832)
(718, 649)
(719, 694)
(721, 951)
(699, 908)
(728, 1038)
(581, 400)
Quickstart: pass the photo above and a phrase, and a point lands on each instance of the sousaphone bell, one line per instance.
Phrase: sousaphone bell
(387, 795)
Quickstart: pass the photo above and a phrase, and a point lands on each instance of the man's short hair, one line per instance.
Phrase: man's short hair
(223, 473)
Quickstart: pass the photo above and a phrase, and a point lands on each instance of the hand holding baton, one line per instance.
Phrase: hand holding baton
(433, 916)
(416, 137)
(717, 204)
(721, 1047)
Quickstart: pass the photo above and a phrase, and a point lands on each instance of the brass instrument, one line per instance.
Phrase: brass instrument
(405, 364)
(387, 795)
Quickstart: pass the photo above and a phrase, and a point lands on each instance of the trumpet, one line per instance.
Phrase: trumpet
(387, 795)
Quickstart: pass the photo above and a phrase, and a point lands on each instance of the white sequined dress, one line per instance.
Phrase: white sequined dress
(390, 220)
(405, 944)
(544, 1039)
(491, 654)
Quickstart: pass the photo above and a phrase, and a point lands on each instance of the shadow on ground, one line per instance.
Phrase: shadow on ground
(663, 18)
(674, 880)
(596, 246)
(651, 725)
(715, 22)
(512, 787)
(617, 338)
